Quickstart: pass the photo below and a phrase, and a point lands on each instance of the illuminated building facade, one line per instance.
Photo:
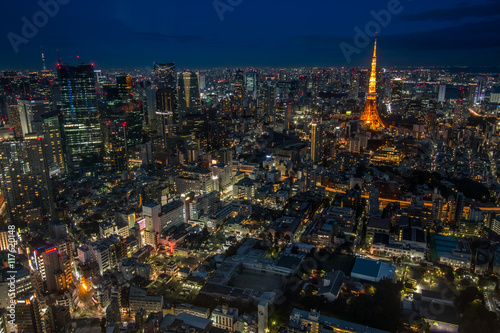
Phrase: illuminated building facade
(25, 182)
(82, 132)
(30, 110)
(28, 318)
(115, 146)
(189, 94)
(239, 86)
(316, 143)
(50, 127)
(165, 77)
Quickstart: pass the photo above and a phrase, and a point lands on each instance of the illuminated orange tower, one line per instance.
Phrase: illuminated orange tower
(370, 115)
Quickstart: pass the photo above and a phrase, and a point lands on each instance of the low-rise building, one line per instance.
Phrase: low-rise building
(451, 251)
(139, 299)
(373, 270)
(224, 317)
(313, 322)
(331, 285)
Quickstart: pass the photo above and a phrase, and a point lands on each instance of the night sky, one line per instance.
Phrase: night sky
(133, 33)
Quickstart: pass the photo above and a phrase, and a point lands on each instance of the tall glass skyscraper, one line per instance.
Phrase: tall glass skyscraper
(167, 112)
(251, 83)
(239, 87)
(165, 75)
(82, 132)
(189, 94)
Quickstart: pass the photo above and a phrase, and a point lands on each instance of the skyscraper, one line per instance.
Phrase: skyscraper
(239, 86)
(15, 120)
(370, 115)
(49, 127)
(115, 146)
(124, 87)
(30, 110)
(25, 182)
(82, 132)
(442, 93)
(28, 318)
(167, 114)
(480, 90)
(189, 95)
(396, 95)
(316, 142)
(165, 75)
(251, 83)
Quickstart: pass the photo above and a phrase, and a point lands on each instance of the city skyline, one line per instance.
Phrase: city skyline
(238, 166)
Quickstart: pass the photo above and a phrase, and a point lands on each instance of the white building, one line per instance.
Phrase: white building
(224, 317)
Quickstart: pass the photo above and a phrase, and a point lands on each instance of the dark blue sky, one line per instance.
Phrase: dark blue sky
(133, 33)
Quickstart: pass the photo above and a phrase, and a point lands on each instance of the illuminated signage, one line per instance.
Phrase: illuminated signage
(52, 249)
(142, 224)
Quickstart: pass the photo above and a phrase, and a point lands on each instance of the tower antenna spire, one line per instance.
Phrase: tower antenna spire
(370, 115)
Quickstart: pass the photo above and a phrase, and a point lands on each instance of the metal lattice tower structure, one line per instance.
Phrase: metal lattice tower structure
(370, 116)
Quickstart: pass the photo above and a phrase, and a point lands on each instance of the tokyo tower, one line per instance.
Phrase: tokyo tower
(370, 116)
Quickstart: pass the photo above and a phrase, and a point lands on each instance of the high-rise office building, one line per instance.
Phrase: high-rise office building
(30, 111)
(115, 146)
(167, 117)
(133, 124)
(189, 95)
(45, 259)
(442, 93)
(28, 317)
(166, 112)
(480, 90)
(396, 95)
(165, 76)
(49, 126)
(239, 87)
(82, 131)
(150, 101)
(316, 138)
(124, 87)
(15, 120)
(203, 82)
(25, 181)
(251, 83)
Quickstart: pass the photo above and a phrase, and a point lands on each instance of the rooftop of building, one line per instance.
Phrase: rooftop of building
(332, 283)
(373, 268)
(378, 223)
(338, 324)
